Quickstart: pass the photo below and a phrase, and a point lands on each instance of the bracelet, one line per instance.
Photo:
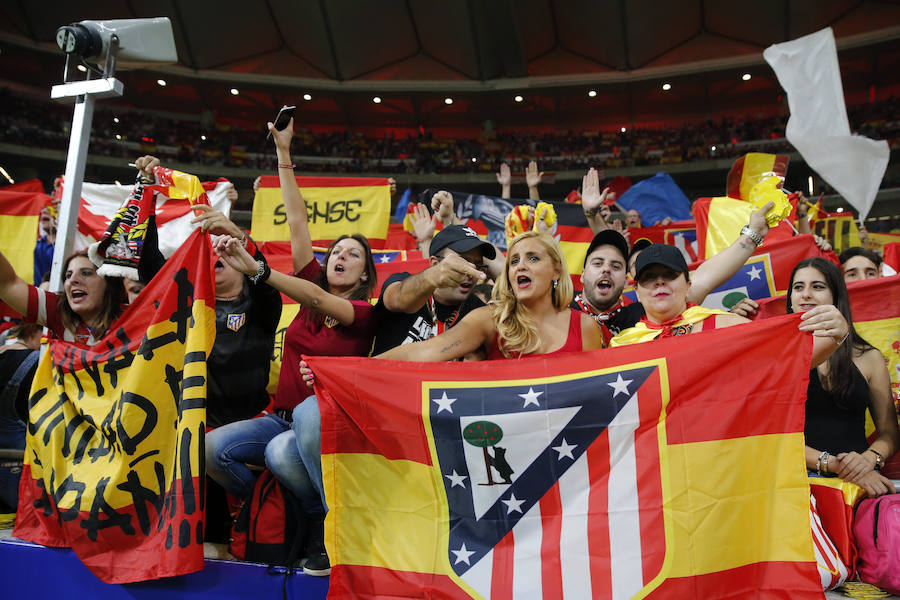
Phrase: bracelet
(825, 464)
(755, 237)
(286, 166)
(591, 212)
(262, 272)
(879, 459)
(819, 462)
(843, 339)
(244, 240)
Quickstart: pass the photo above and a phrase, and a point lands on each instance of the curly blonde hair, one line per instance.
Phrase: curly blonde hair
(516, 332)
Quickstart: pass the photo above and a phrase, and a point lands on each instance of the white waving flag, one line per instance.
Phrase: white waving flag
(807, 69)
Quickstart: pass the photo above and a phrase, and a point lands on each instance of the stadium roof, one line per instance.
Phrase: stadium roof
(465, 48)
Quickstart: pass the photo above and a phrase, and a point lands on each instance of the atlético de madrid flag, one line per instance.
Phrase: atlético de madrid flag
(622, 473)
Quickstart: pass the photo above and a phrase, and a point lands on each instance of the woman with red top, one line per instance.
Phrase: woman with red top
(82, 313)
(529, 314)
(335, 319)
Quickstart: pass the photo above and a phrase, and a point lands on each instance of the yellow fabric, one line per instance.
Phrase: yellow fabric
(641, 333)
(883, 334)
(755, 164)
(721, 513)
(17, 240)
(841, 232)
(404, 493)
(332, 212)
(146, 379)
(186, 186)
(765, 191)
(852, 493)
(726, 218)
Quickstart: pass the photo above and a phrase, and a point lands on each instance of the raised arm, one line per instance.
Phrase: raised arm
(303, 291)
(469, 334)
(718, 269)
(592, 200)
(294, 206)
(504, 177)
(533, 180)
(13, 289)
(412, 293)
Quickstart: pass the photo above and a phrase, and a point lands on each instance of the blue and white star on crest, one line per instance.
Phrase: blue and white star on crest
(501, 448)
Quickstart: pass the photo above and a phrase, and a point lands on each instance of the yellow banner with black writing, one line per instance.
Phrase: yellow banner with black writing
(335, 206)
(114, 467)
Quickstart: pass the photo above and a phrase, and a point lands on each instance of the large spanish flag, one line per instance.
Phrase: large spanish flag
(620, 473)
(114, 467)
(19, 219)
(334, 206)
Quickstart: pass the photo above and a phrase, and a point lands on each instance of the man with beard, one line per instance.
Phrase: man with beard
(416, 307)
(606, 264)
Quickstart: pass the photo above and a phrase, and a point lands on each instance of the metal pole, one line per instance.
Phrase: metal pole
(71, 198)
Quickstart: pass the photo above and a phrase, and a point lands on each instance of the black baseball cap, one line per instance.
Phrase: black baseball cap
(660, 254)
(461, 239)
(639, 245)
(609, 237)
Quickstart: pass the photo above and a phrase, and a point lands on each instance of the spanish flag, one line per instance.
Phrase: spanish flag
(114, 467)
(719, 222)
(19, 220)
(620, 473)
(334, 206)
(750, 169)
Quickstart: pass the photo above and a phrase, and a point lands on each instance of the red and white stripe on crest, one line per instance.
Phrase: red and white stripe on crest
(583, 539)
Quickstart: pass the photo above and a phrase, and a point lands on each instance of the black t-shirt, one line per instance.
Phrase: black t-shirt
(9, 362)
(238, 365)
(398, 328)
(617, 319)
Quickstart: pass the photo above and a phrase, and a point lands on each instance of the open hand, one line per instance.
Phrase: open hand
(215, 222)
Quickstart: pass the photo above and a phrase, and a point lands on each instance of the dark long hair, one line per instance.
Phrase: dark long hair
(363, 291)
(840, 363)
(113, 301)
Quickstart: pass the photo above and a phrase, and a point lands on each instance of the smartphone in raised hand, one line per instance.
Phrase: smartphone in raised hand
(282, 119)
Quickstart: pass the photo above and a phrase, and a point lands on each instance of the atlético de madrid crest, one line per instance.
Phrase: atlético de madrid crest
(553, 485)
(235, 321)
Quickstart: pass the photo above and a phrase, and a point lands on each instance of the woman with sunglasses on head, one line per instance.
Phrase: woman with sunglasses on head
(853, 379)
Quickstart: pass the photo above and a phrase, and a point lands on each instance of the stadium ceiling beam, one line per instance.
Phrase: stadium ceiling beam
(473, 86)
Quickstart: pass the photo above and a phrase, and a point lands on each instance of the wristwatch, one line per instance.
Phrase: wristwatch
(757, 239)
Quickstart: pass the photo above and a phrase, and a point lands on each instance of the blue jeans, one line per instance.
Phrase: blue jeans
(12, 436)
(307, 427)
(230, 448)
(266, 441)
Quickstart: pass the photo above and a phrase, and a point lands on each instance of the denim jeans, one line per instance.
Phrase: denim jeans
(308, 436)
(266, 441)
(12, 436)
(230, 448)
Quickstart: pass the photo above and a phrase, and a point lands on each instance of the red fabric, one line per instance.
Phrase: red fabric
(22, 204)
(837, 521)
(573, 340)
(892, 255)
(398, 239)
(303, 337)
(31, 185)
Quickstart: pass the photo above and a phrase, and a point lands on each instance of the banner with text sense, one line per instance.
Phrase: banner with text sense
(334, 206)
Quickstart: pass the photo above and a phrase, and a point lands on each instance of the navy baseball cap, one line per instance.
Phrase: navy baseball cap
(461, 239)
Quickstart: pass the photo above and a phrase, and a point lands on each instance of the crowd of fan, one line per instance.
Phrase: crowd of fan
(438, 314)
(26, 122)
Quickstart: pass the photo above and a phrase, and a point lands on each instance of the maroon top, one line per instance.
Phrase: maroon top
(327, 339)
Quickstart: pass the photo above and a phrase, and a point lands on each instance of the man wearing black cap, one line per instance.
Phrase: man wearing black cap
(416, 307)
(603, 277)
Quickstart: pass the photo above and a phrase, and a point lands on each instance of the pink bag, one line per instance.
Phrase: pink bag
(877, 531)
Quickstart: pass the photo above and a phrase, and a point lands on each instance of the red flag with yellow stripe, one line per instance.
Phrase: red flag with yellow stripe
(617, 473)
(114, 466)
(749, 170)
